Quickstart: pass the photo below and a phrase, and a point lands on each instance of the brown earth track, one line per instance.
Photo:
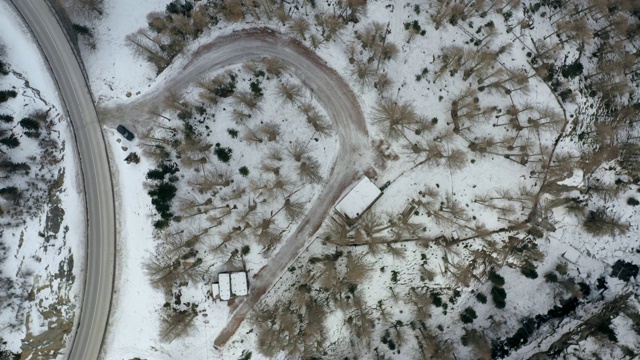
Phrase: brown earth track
(329, 89)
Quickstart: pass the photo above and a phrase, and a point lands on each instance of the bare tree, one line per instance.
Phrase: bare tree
(177, 323)
(309, 170)
(394, 118)
(293, 209)
(270, 130)
(274, 66)
(479, 343)
(357, 268)
(298, 150)
(274, 154)
(300, 27)
(247, 100)
(289, 91)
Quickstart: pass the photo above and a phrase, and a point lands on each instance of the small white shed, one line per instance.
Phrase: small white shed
(231, 284)
(571, 255)
(359, 199)
(239, 285)
(224, 284)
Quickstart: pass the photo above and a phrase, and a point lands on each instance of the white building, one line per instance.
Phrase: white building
(239, 285)
(224, 286)
(358, 200)
(232, 284)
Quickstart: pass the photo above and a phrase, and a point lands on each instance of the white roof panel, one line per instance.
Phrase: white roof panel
(225, 286)
(571, 255)
(239, 285)
(358, 199)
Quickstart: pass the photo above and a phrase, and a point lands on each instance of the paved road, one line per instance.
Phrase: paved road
(96, 301)
(329, 89)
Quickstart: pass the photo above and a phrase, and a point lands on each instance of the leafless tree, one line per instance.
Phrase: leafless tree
(177, 323)
(455, 159)
(289, 91)
(232, 10)
(298, 150)
(393, 118)
(300, 27)
(383, 83)
(293, 209)
(247, 100)
(364, 72)
(357, 268)
(270, 130)
(148, 49)
(479, 343)
(274, 154)
(274, 66)
(598, 222)
(309, 170)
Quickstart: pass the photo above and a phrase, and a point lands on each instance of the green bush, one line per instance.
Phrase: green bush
(551, 277)
(496, 279)
(30, 124)
(7, 94)
(499, 297)
(244, 171)
(482, 298)
(223, 154)
(10, 141)
(82, 30)
(529, 270)
(436, 300)
(468, 315)
(572, 70)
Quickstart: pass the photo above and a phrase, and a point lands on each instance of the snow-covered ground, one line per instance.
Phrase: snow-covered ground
(45, 246)
(465, 215)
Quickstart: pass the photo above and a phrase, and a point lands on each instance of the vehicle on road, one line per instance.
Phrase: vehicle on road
(125, 132)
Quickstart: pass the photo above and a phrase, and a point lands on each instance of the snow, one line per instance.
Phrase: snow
(577, 179)
(359, 199)
(225, 286)
(571, 255)
(484, 175)
(113, 69)
(215, 290)
(47, 265)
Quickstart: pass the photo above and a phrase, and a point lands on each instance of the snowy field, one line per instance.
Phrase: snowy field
(474, 197)
(43, 241)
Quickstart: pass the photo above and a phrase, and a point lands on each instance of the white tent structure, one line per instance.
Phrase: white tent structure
(358, 200)
(232, 284)
(224, 286)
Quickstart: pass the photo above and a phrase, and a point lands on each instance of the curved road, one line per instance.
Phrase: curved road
(100, 260)
(328, 88)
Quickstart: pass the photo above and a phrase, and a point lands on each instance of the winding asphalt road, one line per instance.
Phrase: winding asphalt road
(100, 261)
(328, 88)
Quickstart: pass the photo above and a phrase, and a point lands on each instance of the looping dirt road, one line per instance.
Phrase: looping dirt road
(328, 88)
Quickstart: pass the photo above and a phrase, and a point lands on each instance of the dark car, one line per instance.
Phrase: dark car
(125, 132)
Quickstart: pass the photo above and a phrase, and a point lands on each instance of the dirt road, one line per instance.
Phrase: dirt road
(328, 88)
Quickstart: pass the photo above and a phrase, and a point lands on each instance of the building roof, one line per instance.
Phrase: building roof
(239, 286)
(231, 284)
(225, 286)
(358, 200)
(571, 255)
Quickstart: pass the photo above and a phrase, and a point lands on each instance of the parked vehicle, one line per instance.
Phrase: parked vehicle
(125, 132)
